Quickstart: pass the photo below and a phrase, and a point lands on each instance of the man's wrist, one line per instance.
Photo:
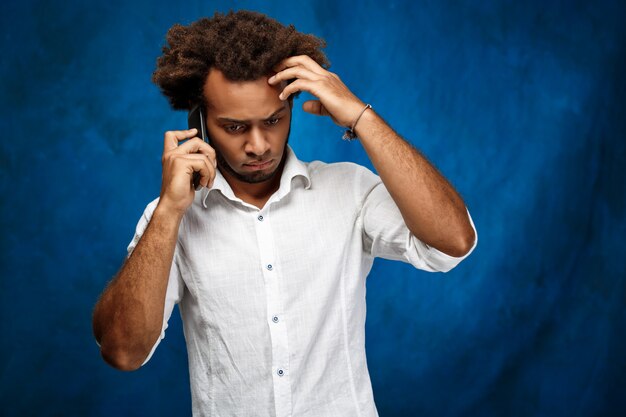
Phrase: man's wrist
(350, 133)
(168, 214)
(369, 120)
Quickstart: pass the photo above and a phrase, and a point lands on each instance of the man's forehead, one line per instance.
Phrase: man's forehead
(241, 99)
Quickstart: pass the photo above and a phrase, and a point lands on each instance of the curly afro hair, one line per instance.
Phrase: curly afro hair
(244, 45)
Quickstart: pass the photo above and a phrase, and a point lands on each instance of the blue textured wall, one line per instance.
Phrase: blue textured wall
(520, 104)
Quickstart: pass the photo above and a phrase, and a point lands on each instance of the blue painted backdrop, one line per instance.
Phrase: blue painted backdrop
(520, 104)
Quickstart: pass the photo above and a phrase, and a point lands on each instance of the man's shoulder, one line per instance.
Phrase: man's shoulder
(331, 170)
(341, 179)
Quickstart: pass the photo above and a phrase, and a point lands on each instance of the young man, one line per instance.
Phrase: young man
(268, 260)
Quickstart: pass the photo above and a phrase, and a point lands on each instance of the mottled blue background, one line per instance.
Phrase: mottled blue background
(520, 104)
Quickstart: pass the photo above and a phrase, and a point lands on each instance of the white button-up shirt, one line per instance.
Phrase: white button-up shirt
(273, 300)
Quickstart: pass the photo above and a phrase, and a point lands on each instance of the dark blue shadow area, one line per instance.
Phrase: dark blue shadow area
(521, 105)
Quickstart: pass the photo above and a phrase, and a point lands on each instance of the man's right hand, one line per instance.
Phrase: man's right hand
(179, 163)
(128, 317)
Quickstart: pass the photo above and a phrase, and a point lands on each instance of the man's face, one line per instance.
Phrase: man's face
(248, 126)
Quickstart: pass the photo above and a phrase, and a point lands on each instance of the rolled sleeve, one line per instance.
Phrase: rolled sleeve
(385, 234)
(175, 284)
(434, 260)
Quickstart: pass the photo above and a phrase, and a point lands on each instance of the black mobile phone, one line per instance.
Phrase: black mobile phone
(195, 119)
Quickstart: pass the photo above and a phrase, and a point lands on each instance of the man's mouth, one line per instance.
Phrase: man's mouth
(258, 165)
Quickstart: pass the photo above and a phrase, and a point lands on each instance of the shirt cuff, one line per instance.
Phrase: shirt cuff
(436, 260)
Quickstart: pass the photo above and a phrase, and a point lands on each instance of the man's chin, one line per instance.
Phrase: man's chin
(254, 177)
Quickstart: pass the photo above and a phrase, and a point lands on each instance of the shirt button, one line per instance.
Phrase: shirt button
(275, 319)
(280, 372)
(260, 218)
(269, 267)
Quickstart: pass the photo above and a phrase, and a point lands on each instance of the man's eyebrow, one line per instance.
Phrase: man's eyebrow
(228, 119)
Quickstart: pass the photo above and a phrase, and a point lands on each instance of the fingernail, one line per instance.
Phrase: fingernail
(271, 79)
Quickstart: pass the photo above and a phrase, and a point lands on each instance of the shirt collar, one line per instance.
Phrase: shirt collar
(293, 168)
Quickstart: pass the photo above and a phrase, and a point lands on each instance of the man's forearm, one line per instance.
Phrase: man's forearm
(128, 318)
(432, 209)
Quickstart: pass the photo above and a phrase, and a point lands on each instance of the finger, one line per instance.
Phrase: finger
(196, 145)
(315, 107)
(210, 153)
(304, 60)
(172, 138)
(294, 87)
(298, 72)
(201, 164)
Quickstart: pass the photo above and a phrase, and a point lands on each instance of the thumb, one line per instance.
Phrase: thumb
(314, 107)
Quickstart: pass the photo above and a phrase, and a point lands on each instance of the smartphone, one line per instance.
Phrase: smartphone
(195, 119)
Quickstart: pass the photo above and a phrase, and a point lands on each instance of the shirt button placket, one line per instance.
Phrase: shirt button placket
(277, 327)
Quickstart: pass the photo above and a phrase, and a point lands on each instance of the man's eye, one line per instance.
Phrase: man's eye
(234, 128)
(271, 122)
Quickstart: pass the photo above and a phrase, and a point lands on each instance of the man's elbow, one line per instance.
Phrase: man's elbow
(119, 350)
(465, 243)
(462, 245)
(121, 359)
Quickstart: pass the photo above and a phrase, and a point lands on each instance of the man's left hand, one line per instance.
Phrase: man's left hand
(335, 99)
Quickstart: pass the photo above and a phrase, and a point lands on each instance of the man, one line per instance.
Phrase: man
(268, 260)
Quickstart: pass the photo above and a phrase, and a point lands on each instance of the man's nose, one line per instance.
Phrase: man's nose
(257, 144)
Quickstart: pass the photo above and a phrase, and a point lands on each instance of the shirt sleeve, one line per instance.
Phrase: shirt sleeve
(386, 235)
(175, 284)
